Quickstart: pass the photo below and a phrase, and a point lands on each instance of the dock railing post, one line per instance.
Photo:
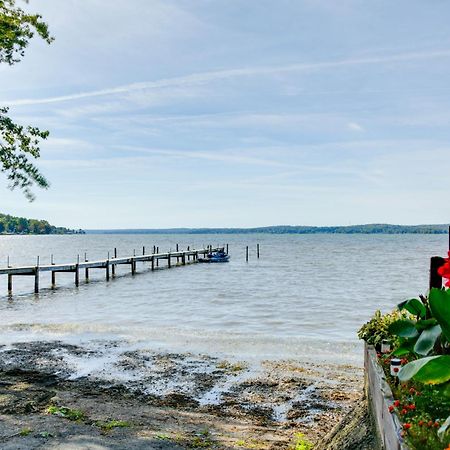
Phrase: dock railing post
(113, 266)
(257, 251)
(169, 265)
(77, 271)
(107, 269)
(36, 277)
(246, 253)
(10, 284)
(157, 261)
(53, 272)
(227, 249)
(86, 270)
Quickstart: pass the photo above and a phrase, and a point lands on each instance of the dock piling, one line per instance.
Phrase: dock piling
(77, 271)
(86, 270)
(36, 280)
(257, 251)
(246, 253)
(52, 262)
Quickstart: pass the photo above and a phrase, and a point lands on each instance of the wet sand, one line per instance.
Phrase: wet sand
(54, 395)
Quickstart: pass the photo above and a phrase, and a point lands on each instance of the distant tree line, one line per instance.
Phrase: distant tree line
(21, 225)
(293, 229)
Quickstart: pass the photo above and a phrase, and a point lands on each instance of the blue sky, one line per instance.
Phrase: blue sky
(237, 113)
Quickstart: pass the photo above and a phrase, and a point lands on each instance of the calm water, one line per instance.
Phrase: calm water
(305, 297)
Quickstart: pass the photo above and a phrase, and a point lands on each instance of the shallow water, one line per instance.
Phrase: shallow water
(304, 298)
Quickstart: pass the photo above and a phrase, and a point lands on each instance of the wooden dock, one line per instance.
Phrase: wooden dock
(108, 265)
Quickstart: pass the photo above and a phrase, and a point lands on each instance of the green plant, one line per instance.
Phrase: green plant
(377, 328)
(428, 332)
(25, 431)
(107, 426)
(301, 443)
(70, 414)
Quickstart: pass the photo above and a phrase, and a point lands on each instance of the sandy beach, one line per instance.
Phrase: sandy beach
(56, 395)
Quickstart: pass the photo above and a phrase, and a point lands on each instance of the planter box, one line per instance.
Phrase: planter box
(380, 397)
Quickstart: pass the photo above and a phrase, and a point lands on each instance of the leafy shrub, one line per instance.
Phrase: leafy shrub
(377, 329)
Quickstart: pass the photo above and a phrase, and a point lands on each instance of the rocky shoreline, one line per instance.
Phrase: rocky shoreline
(56, 395)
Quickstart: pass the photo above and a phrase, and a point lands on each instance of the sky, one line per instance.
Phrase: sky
(237, 113)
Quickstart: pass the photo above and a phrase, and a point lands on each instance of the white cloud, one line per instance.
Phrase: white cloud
(201, 78)
(354, 126)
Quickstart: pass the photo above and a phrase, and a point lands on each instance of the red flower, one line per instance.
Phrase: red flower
(397, 403)
(391, 408)
(412, 406)
(407, 426)
(444, 270)
(421, 422)
(404, 411)
(436, 424)
(430, 423)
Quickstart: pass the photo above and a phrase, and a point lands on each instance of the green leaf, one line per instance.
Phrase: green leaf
(430, 370)
(443, 429)
(406, 347)
(414, 306)
(439, 301)
(403, 328)
(427, 339)
(424, 324)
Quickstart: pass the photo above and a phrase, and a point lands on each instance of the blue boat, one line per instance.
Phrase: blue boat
(218, 257)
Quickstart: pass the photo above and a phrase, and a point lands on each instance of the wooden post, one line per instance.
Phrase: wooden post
(189, 256)
(53, 273)
(157, 261)
(168, 261)
(86, 270)
(154, 249)
(10, 284)
(36, 277)
(153, 263)
(113, 266)
(183, 259)
(177, 249)
(227, 249)
(107, 269)
(435, 278)
(257, 250)
(143, 250)
(246, 253)
(36, 280)
(133, 266)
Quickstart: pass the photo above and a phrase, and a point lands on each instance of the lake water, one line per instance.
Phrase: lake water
(304, 298)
